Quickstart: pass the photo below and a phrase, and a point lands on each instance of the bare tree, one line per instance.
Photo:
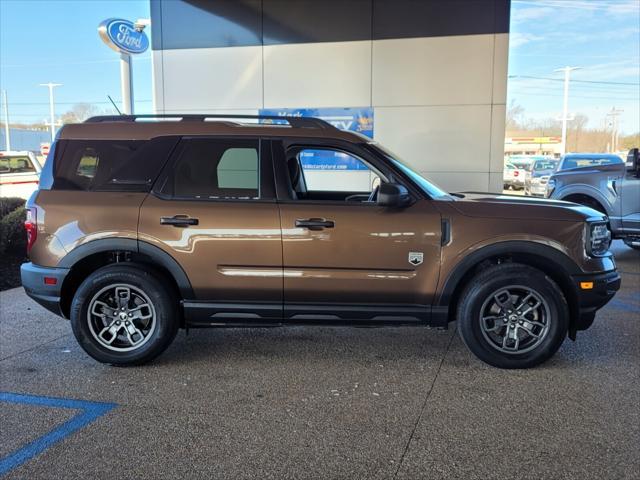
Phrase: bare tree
(79, 113)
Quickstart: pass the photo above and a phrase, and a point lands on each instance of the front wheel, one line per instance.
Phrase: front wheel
(513, 316)
(124, 315)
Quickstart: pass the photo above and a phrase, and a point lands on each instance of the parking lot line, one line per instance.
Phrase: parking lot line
(89, 411)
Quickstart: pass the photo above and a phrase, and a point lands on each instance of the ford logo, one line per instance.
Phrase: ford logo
(122, 36)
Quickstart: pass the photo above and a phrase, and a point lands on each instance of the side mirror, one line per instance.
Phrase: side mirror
(393, 195)
(633, 161)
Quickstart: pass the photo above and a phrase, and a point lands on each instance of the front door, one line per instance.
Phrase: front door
(630, 202)
(345, 257)
(213, 210)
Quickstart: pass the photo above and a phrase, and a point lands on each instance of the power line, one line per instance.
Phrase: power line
(602, 82)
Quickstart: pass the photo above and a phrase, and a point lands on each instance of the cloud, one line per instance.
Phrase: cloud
(517, 39)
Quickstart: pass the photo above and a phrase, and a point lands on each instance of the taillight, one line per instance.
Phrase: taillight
(516, 173)
(31, 226)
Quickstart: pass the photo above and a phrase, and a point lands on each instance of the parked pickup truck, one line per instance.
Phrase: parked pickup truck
(19, 174)
(611, 188)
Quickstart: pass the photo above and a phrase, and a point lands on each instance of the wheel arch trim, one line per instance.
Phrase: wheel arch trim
(463, 267)
(156, 254)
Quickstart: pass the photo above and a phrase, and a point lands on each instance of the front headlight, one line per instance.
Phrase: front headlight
(598, 239)
(551, 186)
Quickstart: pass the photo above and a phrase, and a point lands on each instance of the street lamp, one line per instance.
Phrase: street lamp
(51, 111)
(565, 105)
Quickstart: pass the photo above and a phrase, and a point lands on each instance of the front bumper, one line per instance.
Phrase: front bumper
(537, 189)
(603, 288)
(46, 293)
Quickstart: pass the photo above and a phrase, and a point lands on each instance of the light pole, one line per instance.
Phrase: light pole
(6, 122)
(565, 105)
(51, 111)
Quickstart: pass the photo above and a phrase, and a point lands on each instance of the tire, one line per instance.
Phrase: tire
(151, 309)
(483, 297)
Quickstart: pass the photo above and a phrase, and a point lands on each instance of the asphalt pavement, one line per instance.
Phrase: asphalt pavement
(356, 403)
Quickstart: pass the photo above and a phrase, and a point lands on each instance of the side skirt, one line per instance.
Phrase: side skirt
(226, 314)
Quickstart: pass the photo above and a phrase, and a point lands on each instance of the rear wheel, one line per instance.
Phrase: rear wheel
(513, 316)
(124, 315)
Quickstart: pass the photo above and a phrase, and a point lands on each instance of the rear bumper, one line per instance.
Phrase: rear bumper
(46, 294)
(590, 300)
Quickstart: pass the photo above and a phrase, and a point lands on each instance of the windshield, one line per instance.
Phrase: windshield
(428, 187)
(545, 165)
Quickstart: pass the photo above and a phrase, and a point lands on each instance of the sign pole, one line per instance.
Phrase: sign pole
(127, 38)
(6, 122)
(126, 79)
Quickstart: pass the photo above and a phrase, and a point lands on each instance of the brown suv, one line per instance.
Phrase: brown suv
(141, 227)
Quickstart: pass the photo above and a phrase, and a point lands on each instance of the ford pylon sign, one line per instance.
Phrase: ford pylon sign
(122, 36)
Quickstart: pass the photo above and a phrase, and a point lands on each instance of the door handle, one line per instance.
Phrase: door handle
(179, 221)
(315, 223)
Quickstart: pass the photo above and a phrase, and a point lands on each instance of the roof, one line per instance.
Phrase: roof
(7, 153)
(144, 127)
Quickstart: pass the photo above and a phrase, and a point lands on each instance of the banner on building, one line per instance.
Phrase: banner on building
(358, 120)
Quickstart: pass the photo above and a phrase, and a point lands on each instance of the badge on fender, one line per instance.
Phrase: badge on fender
(415, 258)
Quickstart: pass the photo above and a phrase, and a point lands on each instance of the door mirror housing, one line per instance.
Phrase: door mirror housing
(393, 195)
(633, 161)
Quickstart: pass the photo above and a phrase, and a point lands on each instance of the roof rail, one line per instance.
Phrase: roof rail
(296, 122)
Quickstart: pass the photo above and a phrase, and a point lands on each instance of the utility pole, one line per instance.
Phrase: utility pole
(614, 114)
(51, 110)
(565, 105)
(6, 122)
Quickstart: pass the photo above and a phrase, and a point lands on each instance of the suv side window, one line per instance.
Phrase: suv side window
(330, 170)
(102, 165)
(216, 169)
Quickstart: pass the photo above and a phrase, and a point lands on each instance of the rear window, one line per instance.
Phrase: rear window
(216, 169)
(109, 165)
(577, 162)
(16, 164)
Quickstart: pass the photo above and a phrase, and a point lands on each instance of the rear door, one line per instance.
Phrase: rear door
(346, 258)
(213, 209)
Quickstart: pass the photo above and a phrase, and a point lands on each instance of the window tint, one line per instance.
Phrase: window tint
(213, 169)
(329, 170)
(16, 164)
(103, 165)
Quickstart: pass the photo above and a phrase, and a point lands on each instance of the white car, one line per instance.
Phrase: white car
(19, 174)
(513, 177)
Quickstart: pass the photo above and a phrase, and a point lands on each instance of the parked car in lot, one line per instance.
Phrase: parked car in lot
(606, 184)
(19, 174)
(140, 228)
(513, 177)
(535, 183)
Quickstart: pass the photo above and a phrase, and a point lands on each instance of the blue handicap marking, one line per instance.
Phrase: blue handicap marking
(88, 412)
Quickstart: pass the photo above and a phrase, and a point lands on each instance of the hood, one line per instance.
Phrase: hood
(491, 205)
(542, 173)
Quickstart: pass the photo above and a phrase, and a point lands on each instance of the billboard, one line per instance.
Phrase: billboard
(358, 120)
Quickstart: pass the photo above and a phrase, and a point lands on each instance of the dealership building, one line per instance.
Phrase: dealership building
(425, 78)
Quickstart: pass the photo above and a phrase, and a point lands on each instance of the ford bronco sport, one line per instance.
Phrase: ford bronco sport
(142, 227)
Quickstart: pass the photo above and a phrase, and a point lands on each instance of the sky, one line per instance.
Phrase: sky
(57, 41)
(602, 37)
